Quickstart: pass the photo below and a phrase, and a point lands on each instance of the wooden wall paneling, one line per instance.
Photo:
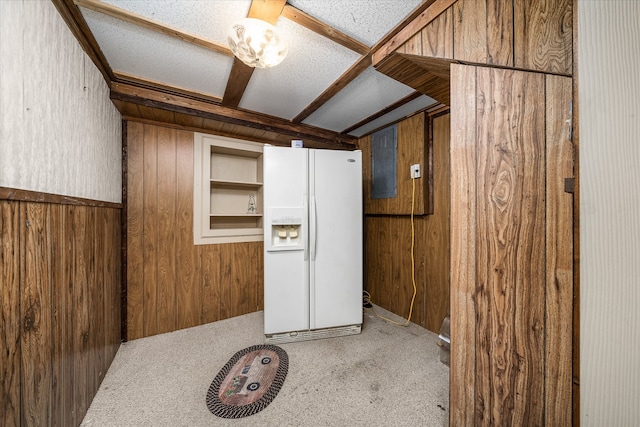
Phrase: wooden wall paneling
(500, 33)
(150, 229)
(411, 150)
(420, 306)
(437, 37)
(543, 38)
(437, 228)
(470, 31)
(166, 219)
(511, 247)
(559, 241)
(35, 307)
(463, 246)
(96, 287)
(189, 291)
(226, 281)
(61, 368)
(211, 273)
(113, 276)
(135, 230)
(377, 249)
(412, 46)
(241, 279)
(10, 316)
(82, 274)
(72, 417)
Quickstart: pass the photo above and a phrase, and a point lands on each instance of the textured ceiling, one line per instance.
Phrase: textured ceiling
(314, 62)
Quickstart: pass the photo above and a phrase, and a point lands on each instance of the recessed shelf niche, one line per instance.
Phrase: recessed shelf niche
(227, 190)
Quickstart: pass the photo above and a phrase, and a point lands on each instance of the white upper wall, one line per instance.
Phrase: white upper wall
(59, 132)
(609, 94)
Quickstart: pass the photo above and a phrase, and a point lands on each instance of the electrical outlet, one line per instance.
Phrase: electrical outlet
(415, 171)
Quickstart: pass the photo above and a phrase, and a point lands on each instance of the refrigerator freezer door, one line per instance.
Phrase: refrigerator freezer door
(286, 274)
(335, 189)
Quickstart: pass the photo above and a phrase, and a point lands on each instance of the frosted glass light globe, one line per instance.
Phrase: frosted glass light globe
(256, 43)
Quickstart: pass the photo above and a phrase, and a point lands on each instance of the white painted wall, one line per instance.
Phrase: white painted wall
(609, 96)
(59, 132)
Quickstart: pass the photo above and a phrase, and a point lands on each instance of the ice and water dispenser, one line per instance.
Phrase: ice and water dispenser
(286, 229)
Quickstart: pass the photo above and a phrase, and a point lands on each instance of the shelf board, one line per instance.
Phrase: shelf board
(231, 215)
(227, 183)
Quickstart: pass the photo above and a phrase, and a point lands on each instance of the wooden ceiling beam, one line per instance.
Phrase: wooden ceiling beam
(347, 77)
(362, 64)
(180, 104)
(141, 21)
(319, 27)
(269, 11)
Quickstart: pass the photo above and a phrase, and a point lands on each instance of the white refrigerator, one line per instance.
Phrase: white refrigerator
(313, 243)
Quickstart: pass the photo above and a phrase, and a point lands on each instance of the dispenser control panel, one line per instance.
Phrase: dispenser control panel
(286, 228)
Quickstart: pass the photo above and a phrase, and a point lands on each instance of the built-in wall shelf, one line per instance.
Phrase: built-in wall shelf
(227, 190)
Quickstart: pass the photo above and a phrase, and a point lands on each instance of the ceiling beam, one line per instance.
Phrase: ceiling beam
(141, 21)
(319, 27)
(384, 111)
(269, 11)
(121, 77)
(347, 77)
(180, 104)
(362, 64)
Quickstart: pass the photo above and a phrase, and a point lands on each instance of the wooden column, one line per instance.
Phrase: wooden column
(511, 248)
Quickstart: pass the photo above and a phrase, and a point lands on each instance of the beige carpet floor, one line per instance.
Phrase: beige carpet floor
(386, 376)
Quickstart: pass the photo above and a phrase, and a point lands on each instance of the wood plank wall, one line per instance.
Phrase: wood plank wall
(171, 283)
(388, 227)
(531, 35)
(512, 283)
(59, 306)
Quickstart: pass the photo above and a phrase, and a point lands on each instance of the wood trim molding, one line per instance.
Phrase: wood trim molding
(141, 21)
(152, 98)
(40, 197)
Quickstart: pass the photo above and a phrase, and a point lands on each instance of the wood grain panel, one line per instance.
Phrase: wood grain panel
(166, 221)
(437, 229)
(189, 290)
(57, 318)
(35, 307)
(82, 273)
(71, 416)
(559, 214)
(150, 230)
(463, 246)
(500, 33)
(135, 230)
(96, 303)
(388, 265)
(543, 38)
(470, 31)
(437, 37)
(61, 387)
(172, 283)
(510, 301)
(10, 384)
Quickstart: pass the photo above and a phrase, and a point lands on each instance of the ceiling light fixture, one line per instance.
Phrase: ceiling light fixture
(256, 43)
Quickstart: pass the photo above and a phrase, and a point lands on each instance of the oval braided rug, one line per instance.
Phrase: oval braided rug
(249, 381)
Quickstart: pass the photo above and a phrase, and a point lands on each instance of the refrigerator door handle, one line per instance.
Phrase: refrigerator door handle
(305, 224)
(312, 228)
